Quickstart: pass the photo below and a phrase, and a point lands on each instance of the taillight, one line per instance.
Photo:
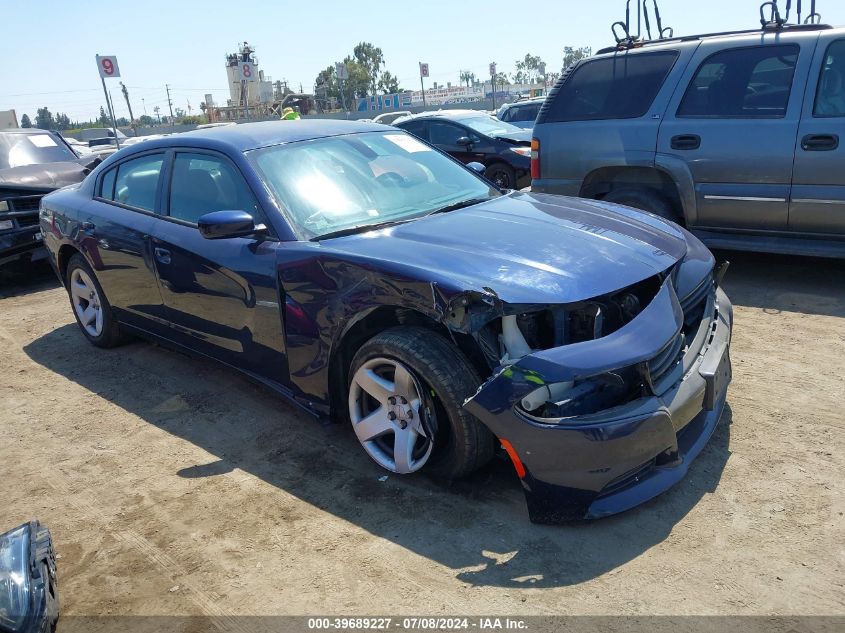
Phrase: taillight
(535, 158)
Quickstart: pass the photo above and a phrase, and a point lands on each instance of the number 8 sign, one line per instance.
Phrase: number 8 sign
(247, 71)
(107, 64)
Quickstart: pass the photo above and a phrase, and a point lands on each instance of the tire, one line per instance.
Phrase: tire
(456, 442)
(103, 330)
(645, 200)
(502, 175)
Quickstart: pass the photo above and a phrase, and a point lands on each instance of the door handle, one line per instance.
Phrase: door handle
(162, 255)
(686, 141)
(820, 142)
(87, 226)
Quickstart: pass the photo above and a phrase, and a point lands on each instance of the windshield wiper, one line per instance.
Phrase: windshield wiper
(360, 228)
(457, 205)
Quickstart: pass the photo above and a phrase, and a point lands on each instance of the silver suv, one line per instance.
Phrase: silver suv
(734, 135)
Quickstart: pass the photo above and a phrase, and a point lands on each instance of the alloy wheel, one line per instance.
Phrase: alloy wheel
(86, 302)
(384, 406)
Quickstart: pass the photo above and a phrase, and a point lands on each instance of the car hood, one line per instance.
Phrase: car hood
(517, 138)
(527, 248)
(47, 175)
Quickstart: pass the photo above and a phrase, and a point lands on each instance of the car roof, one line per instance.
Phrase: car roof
(247, 136)
(687, 40)
(457, 115)
(25, 130)
(524, 101)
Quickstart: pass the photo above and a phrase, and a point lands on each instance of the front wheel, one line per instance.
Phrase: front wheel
(406, 389)
(503, 176)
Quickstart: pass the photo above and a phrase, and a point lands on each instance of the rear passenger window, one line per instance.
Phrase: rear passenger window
(137, 182)
(619, 87)
(830, 96)
(742, 83)
(417, 128)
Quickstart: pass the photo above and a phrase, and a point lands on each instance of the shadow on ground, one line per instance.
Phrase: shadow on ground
(478, 527)
(776, 283)
(20, 279)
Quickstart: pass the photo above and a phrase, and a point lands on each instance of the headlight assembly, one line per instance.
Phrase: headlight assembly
(565, 402)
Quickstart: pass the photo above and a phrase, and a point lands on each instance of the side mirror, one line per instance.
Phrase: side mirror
(219, 225)
(477, 167)
(29, 601)
(464, 141)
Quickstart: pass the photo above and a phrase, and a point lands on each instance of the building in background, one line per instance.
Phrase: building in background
(252, 94)
(8, 119)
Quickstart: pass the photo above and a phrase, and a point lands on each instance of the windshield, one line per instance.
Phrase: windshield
(17, 150)
(490, 126)
(360, 180)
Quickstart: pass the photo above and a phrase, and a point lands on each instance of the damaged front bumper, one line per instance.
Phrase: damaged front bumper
(607, 462)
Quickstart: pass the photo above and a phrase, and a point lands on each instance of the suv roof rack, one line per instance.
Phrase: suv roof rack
(775, 22)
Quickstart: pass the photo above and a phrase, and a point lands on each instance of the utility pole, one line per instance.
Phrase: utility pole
(169, 103)
(144, 103)
(493, 81)
(129, 105)
(157, 110)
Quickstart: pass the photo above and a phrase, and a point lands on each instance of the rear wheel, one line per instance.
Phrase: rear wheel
(645, 199)
(406, 389)
(502, 175)
(90, 307)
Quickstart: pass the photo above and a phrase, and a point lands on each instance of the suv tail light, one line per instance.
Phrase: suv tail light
(535, 158)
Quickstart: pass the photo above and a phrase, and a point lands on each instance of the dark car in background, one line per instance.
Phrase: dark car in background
(739, 137)
(32, 163)
(372, 279)
(521, 113)
(472, 136)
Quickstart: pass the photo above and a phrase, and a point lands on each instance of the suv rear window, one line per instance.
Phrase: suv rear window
(742, 83)
(619, 87)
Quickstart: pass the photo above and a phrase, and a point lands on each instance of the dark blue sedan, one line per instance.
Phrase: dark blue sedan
(374, 280)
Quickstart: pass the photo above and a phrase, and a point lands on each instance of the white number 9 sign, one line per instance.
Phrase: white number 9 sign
(107, 64)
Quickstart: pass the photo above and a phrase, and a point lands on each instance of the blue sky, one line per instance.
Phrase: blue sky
(184, 43)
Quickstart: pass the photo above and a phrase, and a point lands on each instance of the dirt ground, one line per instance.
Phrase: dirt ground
(174, 486)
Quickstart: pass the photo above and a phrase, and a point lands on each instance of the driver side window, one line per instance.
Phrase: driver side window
(441, 133)
(202, 183)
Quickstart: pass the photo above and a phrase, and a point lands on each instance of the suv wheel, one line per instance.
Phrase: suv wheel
(645, 200)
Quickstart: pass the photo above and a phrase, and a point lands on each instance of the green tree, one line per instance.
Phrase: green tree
(527, 69)
(467, 77)
(388, 83)
(44, 119)
(502, 79)
(62, 121)
(146, 119)
(371, 59)
(103, 119)
(572, 55)
(25, 122)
